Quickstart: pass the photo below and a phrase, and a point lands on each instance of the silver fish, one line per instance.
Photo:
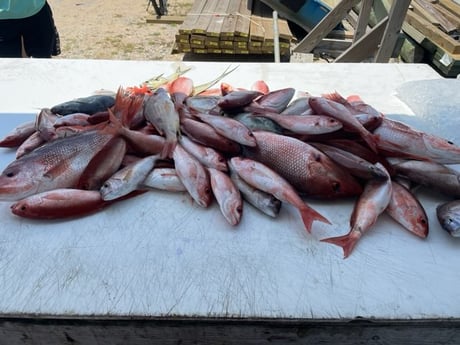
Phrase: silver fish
(159, 110)
(449, 217)
(127, 179)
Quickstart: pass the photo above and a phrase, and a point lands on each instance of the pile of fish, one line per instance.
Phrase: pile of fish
(229, 145)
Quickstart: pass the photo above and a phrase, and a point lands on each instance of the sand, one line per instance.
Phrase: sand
(115, 29)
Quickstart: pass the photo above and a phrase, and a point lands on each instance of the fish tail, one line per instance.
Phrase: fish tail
(126, 106)
(136, 104)
(122, 101)
(309, 215)
(347, 242)
(168, 148)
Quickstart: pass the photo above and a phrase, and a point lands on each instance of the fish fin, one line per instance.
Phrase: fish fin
(309, 215)
(200, 88)
(336, 97)
(96, 171)
(137, 102)
(122, 102)
(347, 242)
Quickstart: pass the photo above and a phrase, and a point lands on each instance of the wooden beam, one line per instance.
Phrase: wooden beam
(453, 7)
(325, 26)
(434, 16)
(396, 18)
(217, 19)
(192, 17)
(366, 46)
(363, 19)
(434, 34)
(166, 20)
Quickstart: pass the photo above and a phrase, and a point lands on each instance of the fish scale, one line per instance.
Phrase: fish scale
(306, 168)
(57, 164)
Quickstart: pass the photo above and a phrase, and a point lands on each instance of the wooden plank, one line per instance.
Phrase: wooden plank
(256, 29)
(455, 19)
(223, 44)
(284, 31)
(267, 22)
(192, 17)
(413, 33)
(366, 46)
(451, 6)
(433, 34)
(166, 20)
(229, 25)
(212, 42)
(396, 17)
(197, 41)
(436, 18)
(243, 21)
(181, 38)
(363, 19)
(325, 26)
(217, 19)
(204, 18)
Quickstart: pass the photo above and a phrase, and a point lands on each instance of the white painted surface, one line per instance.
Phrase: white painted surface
(159, 254)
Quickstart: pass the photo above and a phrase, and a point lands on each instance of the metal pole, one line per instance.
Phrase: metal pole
(276, 38)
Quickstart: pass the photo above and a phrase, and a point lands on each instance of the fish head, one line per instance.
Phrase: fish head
(18, 180)
(449, 217)
(233, 210)
(110, 190)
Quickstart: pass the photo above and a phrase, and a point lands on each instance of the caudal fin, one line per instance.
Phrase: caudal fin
(347, 242)
(309, 215)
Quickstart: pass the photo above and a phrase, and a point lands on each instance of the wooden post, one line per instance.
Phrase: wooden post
(363, 19)
(396, 18)
(366, 46)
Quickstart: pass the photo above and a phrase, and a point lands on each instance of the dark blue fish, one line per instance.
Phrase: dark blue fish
(87, 105)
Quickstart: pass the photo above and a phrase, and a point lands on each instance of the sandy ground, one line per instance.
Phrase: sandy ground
(115, 29)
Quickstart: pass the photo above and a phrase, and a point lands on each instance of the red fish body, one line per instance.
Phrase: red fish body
(400, 140)
(405, 208)
(57, 164)
(371, 203)
(338, 111)
(59, 203)
(262, 177)
(309, 170)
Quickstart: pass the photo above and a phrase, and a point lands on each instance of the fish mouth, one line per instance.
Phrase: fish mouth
(14, 193)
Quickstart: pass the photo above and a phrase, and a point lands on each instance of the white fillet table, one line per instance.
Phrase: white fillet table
(161, 257)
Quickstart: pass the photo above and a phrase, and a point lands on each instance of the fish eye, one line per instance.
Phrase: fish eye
(10, 174)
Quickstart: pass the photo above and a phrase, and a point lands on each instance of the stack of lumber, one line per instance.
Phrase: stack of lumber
(231, 27)
(435, 26)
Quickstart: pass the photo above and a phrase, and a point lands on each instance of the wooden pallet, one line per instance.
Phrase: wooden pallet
(231, 27)
(432, 21)
(446, 63)
(434, 26)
